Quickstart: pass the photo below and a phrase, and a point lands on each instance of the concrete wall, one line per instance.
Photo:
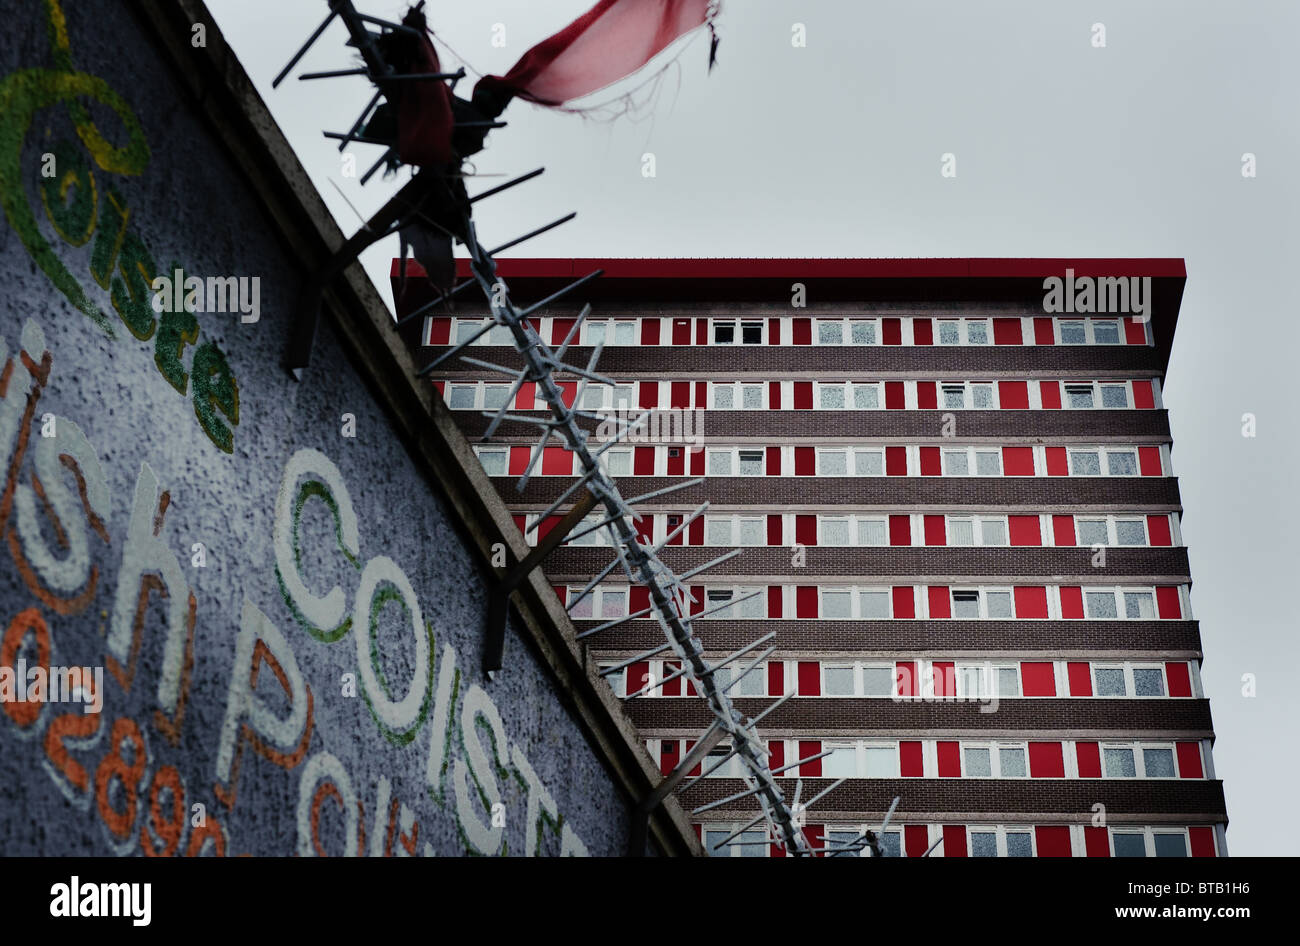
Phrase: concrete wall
(279, 614)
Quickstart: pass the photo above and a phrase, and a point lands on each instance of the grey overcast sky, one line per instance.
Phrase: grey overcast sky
(1062, 149)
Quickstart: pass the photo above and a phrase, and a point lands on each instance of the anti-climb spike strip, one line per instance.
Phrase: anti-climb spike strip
(668, 600)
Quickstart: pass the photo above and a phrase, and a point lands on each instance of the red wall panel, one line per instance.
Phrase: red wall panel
(1024, 530)
(1053, 840)
(1135, 332)
(1063, 530)
(1149, 461)
(940, 603)
(643, 463)
(671, 687)
(1080, 675)
(930, 462)
(935, 531)
(701, 331)
(805, 530)
(905, 676)
(949, 754)
(774, 331)
(1096, 841)
(1046, 760)
(1088, 755)
(648, 394)
(697, 462)
(775, 680)
(439, 331)
(904, 602)
(649, 331)
(557, 461)
(1058, 464)
(895, 399)
(675, 461)
(690, 744)
(680, 394)
(805, 597)
(772, 464)
(813, 769)
(1031, 601)
(681, 331)
(776, 758)
(891, 331)
(1013, 395)
(895, 461)
(1189, 760)
(805, 461)
(1143, 398)
(810, 678)
(639, 599)
(668, 756)
(1202, 841)
(803, 396)
(1158, 531)
(526, 396)
(695, 531)
(954, 840)
(1071, 602)
(638, 676)
(802, 331)
(910, 763)
(1018, 461)
(1180, 681)
(900, 530)
(560, 329)
(775, 600)
(916, 840)
(926, 397)
(775, 530)
(774, 395)
(1044, 334)
(945, 678)
(1167, 602)
(1049, 392)
(1037, 679)
(922, 332)
(1006, 332)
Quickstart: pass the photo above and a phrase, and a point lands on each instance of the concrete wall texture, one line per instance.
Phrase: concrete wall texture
(279, 617)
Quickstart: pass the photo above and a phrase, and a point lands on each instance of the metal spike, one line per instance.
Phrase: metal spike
(303, 51)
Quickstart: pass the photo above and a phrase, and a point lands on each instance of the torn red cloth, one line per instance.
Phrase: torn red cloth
(424, 119)
(611, 40)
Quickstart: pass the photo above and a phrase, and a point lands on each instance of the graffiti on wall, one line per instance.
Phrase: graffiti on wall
(81, 208)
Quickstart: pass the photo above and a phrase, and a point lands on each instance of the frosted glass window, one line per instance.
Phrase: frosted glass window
(1114, 395)
(1085, 463)
(1122, 463)
(837, 604)
(1101, 604)
(833, 463)
(873, 605)
(717, 532)
(613, 604)
(866, 397)
(954, 396)
(1171, 845)
(494, 462)
(624, 333)
(753, 844)
(494, 395)
(1093, 532)
(1020, 844)
(1130, 845)
(979, 763)
(988, 462)
(751, 462)
(831, 396)
(948, 334)
(1131, 532)
(724, 397)
(1110, 682)
(868, 463)
(965, 604)
(460, 397)
(1078, 395)
(1011, 762)
(993, 532)
(752, 532)
(871, 532)
(751, 396)
(1139, 605)
(1008, 681)
(982, 396)
(983, 844)
(596, 333)
(581, 609)
(1119, 763)
(878, 681)
(961, 532)
(830, 332)
(1105, 333)
(1158, 763)
(719, 463)
(619, 462)
(841, 763)
(465, 330)
(999, 604)
(1073, 332)
(864, 333)
(1148, 682)
(956, 463)
(881, 762)
(835, 532)
(977, 333)
(839, 681)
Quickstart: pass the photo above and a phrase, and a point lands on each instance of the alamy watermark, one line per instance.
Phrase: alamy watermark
(938, 683)
(659, 425)
(1115, 295)
(180, 293)
(37, 684)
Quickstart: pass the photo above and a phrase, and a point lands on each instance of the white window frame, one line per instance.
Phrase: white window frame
(1000, 832)
(977, 529)
(738, 330)
(503, 452)
(971, 466)
(1130, 685)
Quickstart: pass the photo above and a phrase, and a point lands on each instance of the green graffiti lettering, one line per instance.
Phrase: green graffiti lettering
(214, 388)
(74, 221)
(132, 297)
(175, 331)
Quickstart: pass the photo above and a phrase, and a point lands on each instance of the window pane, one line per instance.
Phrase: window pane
(1159, 763)
(842, 762)
(494, 395)
(1139, 604)
(1011, 763)
(1123, 463)
(881, 762)
(830, 396)
(891, 844)
(623, 396)
(1148, 682)
(751, 462)
(993, 532)
(954, 396)
(624, 333)
(864, 333)
(868, 463)
(965, 604)
(1105, 333)
(595, 333)
(755, 844)
(877, 681)
(1101, 604)
(833, 462)
(751, 333)
(977, 332)
(835, 532)
(988, 462)
(1131, 532)
(752, 532)
(1085, 463)
(724, 397)
(755, 682)
(461, 396)
(619, 462)
(979, 763)
(466, 329)
(1078, 396)
(982, 396)
(1072, 332)
(615, 681)
(1119, 763)
(583, 608)
(839, 681)
(837, 604)
(724, 333)
(983, 844)
(1093, 532)
(830, 332)
(719, 463)
(751, 396)
(866, 396)
(955, 463)
(961, 532)
(613, 604)
(714, 838)
(1110, 682)
(1130, 845)
(871, 532)
(873, 605)
(1020, 844)
(999, 604)
(717, 532)
(1008, 681)
(1171, 845)
(1114, 395)
(494, 462)
(948, 333)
